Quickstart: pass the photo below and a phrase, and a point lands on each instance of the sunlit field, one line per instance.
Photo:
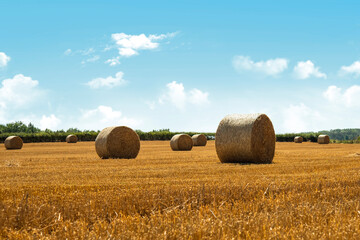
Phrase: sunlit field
(59, 190)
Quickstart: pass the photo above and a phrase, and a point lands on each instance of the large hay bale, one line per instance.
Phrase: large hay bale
(245, 138)
(13, 142)
(199, 140)
(71, 138)
(298, 139)
(117, 142)
(181, 142)
(323, 139)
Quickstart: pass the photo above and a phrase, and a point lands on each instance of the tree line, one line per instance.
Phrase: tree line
(30, 133)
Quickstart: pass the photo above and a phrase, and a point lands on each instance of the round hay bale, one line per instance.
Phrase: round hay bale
(181, 142)
(298, 139)
(199, 140)
(323, 139)
(245, 138)
(71, 138)
(13, 142)
(117, 142)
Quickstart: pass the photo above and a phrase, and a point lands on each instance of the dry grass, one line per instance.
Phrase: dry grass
(58, 190)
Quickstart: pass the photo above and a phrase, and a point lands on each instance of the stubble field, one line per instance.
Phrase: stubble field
(59, 190)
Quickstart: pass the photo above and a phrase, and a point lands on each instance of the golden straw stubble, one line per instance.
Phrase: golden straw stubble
(181, 142)
(245, 138)
(117, 142)
(13, 142)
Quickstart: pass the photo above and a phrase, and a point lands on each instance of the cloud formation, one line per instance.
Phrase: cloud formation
(300, 118)
(113, 61)
(129, 45)
(269, 67)
(18, 91)
(104, 116)
(177, 96)
(108, 82)
(353, 69)
(350, 97)
(307, 69)
(4, 59)
(50, 122)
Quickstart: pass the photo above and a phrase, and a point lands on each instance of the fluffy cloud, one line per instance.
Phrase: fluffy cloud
(351, 69)
(300, 118)
(129, 45)
(198, 97)
(50, 122)
(333, 94)
(269, 67)
(177, 96)
(113, 61)
(350, 97)
(104, 116)
(18, 91)
(307, 69)
(4, 59)
(108, 82)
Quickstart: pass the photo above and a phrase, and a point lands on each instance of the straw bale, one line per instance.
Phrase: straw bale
(245, 138)
(323, 139)
(298, 139)
(117, 142)
(181, 142)
(13, 142)
(199, 140)
(71, 138)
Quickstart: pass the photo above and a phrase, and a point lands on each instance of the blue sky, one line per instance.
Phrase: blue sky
(181, 65)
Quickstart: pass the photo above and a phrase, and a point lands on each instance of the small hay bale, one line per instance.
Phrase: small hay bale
(323, 139)
(298, 139)
(71, 138)
(117, 142)
(13, 142)
(181, 142)
(199, 140)
(245, 138)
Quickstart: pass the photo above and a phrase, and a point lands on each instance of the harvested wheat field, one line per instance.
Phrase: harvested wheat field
(59, 190)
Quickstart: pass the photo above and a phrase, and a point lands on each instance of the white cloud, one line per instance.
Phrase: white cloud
(19, 90)
(129, 45)
(351, 69)
(307, 69)
(108, 82)
(300, 118)
(92, 59)
(269, 67)
(105, 116)
(198, 97)
(176, 95)
(350, 97)
(332, 94)
(4, 59)
(113, 61)
(68, 52)
(51, 122)
(127, 52)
